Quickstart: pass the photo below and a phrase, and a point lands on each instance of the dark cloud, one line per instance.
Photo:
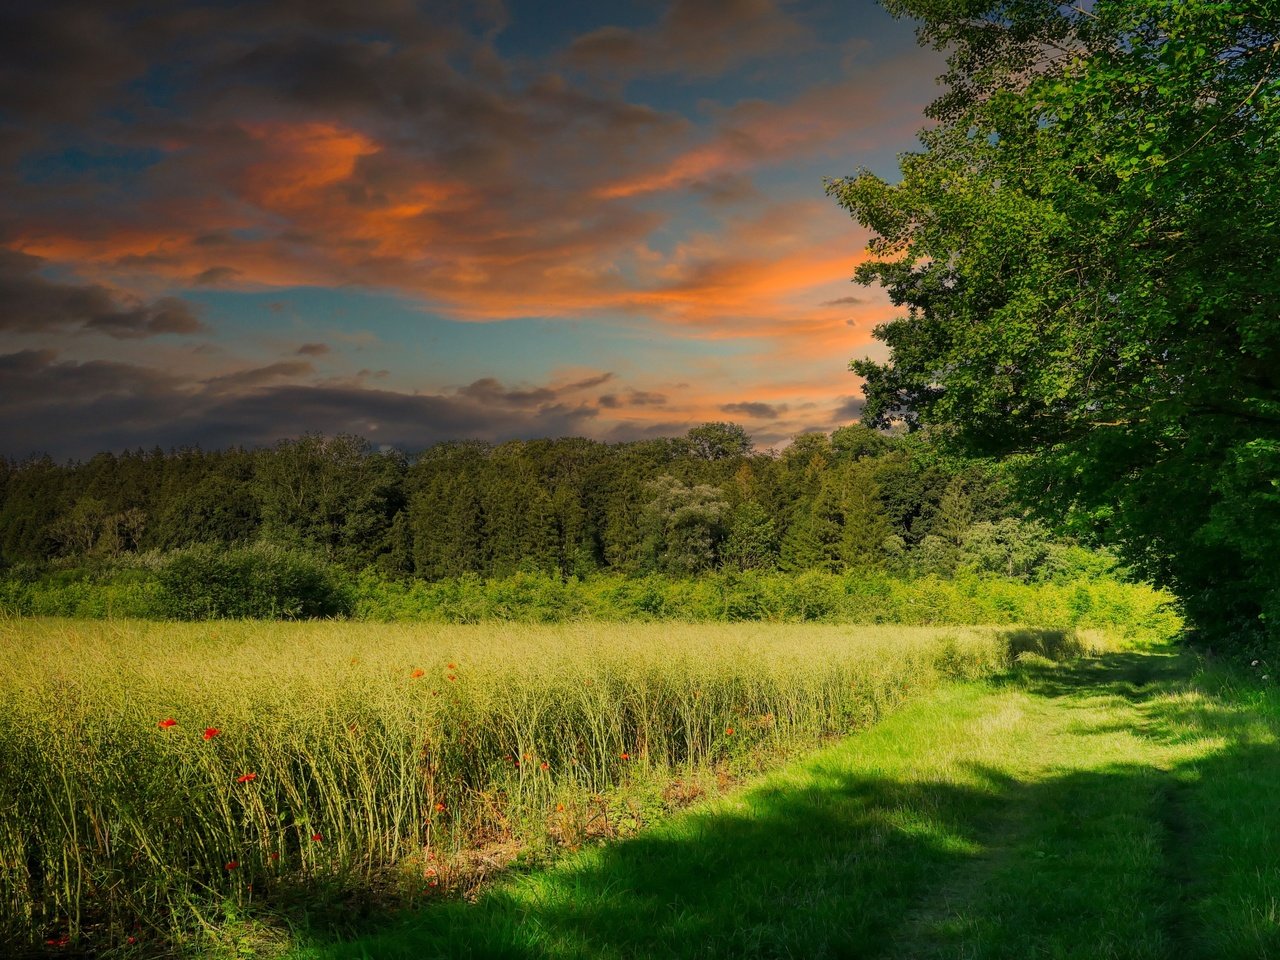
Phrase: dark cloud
(845, 302)
(69, 408)
(491, 392)
(850, 408)
(58, 59)
(31, 303)
(756, 411)
(635, 398)
(215, 276)
(646, 398)
(694, 37)
(587, 383)
(258, 376)
(312, 350)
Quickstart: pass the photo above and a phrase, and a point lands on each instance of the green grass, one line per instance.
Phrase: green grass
(359, 765)
(1118, 807)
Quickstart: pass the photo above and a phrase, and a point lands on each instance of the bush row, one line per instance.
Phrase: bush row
(264, 582)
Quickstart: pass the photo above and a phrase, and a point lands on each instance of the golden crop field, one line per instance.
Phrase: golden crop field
(159, 775)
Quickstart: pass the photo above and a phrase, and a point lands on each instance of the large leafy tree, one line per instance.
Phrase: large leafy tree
(1088, 252)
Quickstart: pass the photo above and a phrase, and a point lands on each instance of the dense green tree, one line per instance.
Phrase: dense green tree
(333, 495)
(1088, 251)
(815, 540)
(857, 441)
(569, 506)
(683, 525)
(220, 507)
(719, 441)
(866, 525)
(752, 541)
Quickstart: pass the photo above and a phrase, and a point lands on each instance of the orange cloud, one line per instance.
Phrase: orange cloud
(299, 160)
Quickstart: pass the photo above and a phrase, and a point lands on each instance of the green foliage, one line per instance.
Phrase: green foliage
(331, 495)
(1087, 252)
(569, 508)
(862, 597)
(752, 543)
(719, 441)
(683, 525)
(261, 581)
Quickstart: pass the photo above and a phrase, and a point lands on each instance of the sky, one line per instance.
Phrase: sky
(227, 223)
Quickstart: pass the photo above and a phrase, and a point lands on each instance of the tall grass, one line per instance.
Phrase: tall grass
(310, 757)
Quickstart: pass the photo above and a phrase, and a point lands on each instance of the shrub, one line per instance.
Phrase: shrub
(261, 581)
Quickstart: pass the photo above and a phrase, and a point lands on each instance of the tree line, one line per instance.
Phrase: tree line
(572, 507)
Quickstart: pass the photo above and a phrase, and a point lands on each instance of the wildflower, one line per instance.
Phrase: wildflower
(545, 765)
(433, 882)
(246, 778)
(453, 666)
(232, 865)
(166, 723)
(559, 808)
(416, 674)
(317, 838)
(728, 731)
(275, 857)
(452, 678)
(61, 941)
(211, 732)
(625, 756)
(439, 807)
(1254, 664)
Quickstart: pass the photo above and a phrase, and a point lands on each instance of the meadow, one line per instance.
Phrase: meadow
(170, 785)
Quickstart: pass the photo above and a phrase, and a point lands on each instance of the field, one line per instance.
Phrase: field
(1119, 807)
(166, 784)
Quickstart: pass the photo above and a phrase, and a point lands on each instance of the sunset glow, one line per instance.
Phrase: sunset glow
(231, 223)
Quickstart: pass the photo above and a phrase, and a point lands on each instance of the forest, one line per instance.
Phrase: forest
(856, 499)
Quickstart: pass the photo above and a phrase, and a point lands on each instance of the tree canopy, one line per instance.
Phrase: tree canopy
(1088, 255)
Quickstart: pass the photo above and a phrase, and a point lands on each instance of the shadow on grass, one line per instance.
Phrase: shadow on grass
(1126, 861)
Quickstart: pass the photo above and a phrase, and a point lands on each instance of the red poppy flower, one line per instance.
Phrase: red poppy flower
(452, 678)
(166, 723)
(211, 732)
(232, 865)
(440, 808)
(625, 756)
(246, 778)
(545, 765)
(452, 666)
(418, 673)
(729, 731)
(275, 857)
(317, 838)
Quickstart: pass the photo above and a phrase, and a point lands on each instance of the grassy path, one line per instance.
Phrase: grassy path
(1115, 808)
